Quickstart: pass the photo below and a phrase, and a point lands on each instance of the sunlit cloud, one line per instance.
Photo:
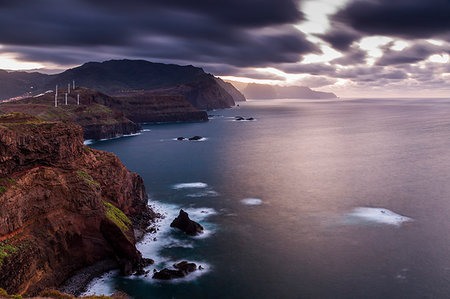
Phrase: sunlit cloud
(10, 62)
(437, 58)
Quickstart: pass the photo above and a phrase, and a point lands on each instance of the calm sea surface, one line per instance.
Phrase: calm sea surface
(314, 199)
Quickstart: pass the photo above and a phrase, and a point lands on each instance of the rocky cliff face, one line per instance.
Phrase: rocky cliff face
(146, 108)
(63, 205)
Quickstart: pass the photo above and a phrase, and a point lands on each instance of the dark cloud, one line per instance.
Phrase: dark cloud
(340, 36)
(415, 53)
(403, 18)
(236, 32)
(353, 57)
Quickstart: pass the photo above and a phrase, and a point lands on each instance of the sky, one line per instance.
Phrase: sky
(377, 48)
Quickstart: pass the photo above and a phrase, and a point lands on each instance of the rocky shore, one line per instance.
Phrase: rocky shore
(63, 206)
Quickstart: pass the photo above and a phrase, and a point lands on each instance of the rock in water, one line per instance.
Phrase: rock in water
(195, 138)
(183, 269)
(185, 224)
(180, 138)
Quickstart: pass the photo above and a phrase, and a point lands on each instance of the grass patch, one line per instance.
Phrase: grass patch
(4, 294)
(87, 177)
(116, 216)
(5, 183)
(6, 250)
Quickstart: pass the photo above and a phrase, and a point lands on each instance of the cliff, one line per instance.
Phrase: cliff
(204, 93)
(233, 91)
(98, 121)
(265, 91)
(119, 77)
(63, 205)
(147, 108)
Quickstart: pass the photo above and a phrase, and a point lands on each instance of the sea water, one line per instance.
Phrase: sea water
(312, 199)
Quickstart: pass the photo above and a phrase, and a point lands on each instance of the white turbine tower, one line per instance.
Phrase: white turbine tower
(56, 96)
(66, 98)
(78, 99)
(73, 84)
(68, 88)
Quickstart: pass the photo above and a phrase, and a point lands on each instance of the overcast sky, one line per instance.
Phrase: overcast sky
(353, 48)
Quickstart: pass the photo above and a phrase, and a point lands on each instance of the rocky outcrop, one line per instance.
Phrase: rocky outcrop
(185, 224)
(63, 205)
(181, 270)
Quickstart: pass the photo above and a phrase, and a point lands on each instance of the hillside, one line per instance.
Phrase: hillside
(266, 91)
(63, 206)
(98, 121)
(119, 77)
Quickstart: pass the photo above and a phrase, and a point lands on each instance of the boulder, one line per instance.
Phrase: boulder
(185, 224)
(195, 138)
(182, 269)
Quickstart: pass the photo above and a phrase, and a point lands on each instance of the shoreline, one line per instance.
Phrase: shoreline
(77, 284)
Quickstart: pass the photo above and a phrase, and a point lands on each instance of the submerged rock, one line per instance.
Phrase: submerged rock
(185, 224)
(181, 138)
(239, 118)
(182, 269)
(195, 138)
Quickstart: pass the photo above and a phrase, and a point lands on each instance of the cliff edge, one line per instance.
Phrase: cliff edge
(63, 206)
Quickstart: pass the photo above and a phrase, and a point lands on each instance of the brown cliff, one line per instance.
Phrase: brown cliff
(63, 205)
(147, 108)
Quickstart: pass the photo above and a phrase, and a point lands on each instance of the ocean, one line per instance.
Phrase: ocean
(312, 199)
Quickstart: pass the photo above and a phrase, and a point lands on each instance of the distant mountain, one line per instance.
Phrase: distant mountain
(121, 77)
(233, 91)
(266, 91)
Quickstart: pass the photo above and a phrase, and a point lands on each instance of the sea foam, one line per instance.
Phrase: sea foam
(375, 215)
(252, 201)
(189, 185)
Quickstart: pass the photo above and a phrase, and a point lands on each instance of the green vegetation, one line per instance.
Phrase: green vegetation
(5, 183)
(4, 294)
(87, 177)
(116, 216)
(6, 249)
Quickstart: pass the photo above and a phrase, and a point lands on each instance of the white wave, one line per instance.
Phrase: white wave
(146, 130)
(189, 185)
(207, 193)
(121, 136)
(252, 201)
(88, 141)
(187, 139)
(375, 215)
(102, 285)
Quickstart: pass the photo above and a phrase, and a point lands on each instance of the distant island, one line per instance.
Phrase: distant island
(266, 91)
